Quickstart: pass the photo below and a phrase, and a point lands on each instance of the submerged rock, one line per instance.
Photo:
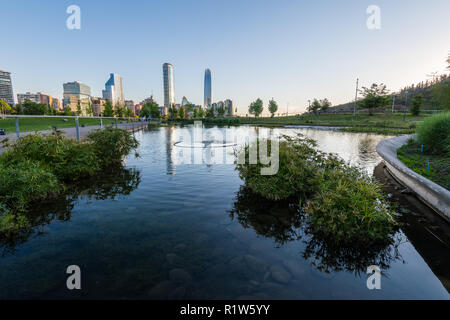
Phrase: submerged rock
(179, 275)
(279, 274)
(161, 291)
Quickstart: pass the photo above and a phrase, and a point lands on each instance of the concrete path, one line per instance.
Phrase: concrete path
(71, 132)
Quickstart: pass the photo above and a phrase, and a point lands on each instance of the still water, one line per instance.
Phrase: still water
(164, 229)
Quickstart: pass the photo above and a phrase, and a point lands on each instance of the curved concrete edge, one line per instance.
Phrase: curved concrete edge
(435, 196)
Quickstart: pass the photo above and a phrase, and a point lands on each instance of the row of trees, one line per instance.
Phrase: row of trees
(319, 105)
(257, 107)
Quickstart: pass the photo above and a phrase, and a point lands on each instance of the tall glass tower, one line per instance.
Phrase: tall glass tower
(169, 89)
(208, 89)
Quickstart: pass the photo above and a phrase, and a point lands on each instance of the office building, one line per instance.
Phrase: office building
(114, 90)
(77, 94)
(6, 89)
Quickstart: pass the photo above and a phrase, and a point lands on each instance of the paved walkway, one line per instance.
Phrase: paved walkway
(71, 132)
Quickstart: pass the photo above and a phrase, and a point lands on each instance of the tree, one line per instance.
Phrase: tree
(108, 112)
(173, 112)
(201, 113)
(448, 61)
(416, 104)
(89, 110)
(181, 113)
(324, 104)
(119, 110)
(152, 109)
(78, 108)
(4, 107)
(315, 106)
(273, 107)
(441, 94)
(29, 107)
(195, 113)
(220, 111)
(256, 107)
(374, 97)
(209, 113)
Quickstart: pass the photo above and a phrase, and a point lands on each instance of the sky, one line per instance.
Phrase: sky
(289, 50)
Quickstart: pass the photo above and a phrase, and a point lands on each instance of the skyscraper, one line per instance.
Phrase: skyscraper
(114, 89)
(208, 89)
(6, 90)
(169, 89)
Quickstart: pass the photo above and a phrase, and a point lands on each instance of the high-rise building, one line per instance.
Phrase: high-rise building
(207, 102)
(77, 94)
(6, 90)
(169, 89)
(114, 90)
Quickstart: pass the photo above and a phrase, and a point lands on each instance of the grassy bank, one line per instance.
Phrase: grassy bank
(429, 153)
(439, 171)
(47, 123)
(363, 121)
(39, 167)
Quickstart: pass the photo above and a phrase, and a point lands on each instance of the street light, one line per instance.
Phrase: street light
(406, 106)
(393, 102)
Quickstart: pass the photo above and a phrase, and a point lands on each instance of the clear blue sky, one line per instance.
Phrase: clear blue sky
(290, 50)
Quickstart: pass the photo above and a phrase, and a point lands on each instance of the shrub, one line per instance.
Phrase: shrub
(434, 133)
(25, 182)
(300, 170)
(67, 158)
(349, 207)
(344, 204)
(112, 145)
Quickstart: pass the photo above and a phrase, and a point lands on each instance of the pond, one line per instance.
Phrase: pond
(162, 228)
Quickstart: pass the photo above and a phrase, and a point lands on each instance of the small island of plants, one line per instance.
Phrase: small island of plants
(40, 167)
(345, 206)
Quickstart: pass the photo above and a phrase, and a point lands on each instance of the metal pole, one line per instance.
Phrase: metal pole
(406, 106)
(17, 128)
(356, 97)
(77, 129)
(116, 122)
(393, 102)
(101, 123)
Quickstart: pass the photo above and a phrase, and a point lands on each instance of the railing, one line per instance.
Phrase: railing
(77, 125)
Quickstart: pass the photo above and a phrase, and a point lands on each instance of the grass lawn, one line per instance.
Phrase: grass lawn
(380, 120)
(32, 124)
(439, 171)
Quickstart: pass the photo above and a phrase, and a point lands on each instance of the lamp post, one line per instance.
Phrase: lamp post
(406, 106)
(393, 102)
(356, 97)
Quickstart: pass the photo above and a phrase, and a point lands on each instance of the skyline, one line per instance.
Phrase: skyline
(307, 51)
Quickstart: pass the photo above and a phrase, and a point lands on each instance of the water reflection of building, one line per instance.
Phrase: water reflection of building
(170, 151)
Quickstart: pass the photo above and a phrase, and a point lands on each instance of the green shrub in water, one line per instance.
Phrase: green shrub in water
(67, 158)
(112, 145)
(434, 133)
(349, 207)
(344, 204)
(25, 182)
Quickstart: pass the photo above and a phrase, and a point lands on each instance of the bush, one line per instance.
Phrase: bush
(344, 204)
(434, 133)
(300, 170)
(68, 159)
(112, 145)
(25, 182)
(349, 207)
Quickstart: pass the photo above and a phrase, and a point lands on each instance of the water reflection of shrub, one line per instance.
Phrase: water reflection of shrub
(285, 221)
(110, 184)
